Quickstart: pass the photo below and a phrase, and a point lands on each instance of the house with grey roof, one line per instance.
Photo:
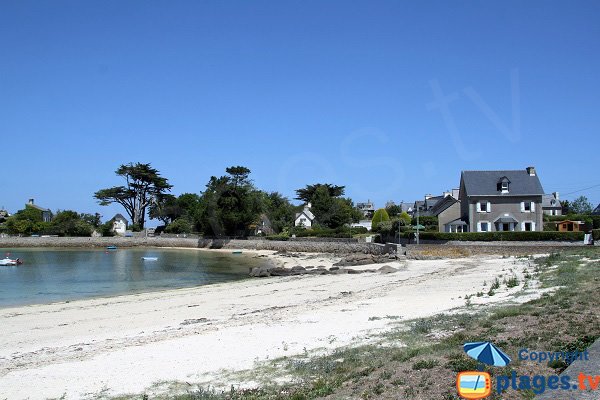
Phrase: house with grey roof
(506, 200)
(45, 212)
(596, 210)
(304, 218)
(551, 204)
(448, 212)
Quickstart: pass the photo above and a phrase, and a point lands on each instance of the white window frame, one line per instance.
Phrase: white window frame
(528, 222)
(504, 187)
(486, 204)
(531, 206)
(489, 226)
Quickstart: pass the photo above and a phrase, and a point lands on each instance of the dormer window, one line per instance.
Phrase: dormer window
(503, 185)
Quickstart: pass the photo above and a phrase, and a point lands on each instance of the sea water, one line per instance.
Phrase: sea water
(52, 275)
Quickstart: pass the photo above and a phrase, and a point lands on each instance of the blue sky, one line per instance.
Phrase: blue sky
(391, 99)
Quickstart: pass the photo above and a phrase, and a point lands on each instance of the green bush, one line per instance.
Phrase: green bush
(380, 216)
(596, 234)
(180, 225)
(499, 236)
(426, 221)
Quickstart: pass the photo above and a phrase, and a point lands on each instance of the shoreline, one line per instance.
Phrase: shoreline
(205, 335)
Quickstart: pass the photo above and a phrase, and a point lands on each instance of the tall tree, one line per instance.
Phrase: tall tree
(581, 205)
(143, 185)
(306, 194)
(229, 204)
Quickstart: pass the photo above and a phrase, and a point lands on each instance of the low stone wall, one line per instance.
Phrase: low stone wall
(100, 242)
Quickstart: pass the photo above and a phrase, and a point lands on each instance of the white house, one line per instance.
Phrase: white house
(305, 218)
(119, 224)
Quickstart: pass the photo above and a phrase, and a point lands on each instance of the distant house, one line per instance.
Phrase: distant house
(596, 210)
(407, 208)
(46, 213)
(448, 212)
(551, 204)
(571, 226)
(508, 200)
(119, 224)
(263, 226)
(368, 209)
(304, 218)
(426, 206)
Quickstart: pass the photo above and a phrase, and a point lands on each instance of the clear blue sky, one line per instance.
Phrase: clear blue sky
(390, 98)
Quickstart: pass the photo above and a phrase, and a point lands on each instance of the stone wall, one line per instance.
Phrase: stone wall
(100, 242)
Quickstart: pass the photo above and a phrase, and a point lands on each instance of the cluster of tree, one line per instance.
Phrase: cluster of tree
(29, 221)
(230, 205)
(330, 208)
(580, 205)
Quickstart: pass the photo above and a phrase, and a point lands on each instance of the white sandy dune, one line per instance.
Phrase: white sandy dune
(127, 344)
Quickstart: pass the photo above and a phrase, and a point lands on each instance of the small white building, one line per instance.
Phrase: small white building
(119, 224)
(305, 218)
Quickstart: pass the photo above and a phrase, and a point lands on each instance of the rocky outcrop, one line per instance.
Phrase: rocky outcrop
(266, 271)
(365, 259)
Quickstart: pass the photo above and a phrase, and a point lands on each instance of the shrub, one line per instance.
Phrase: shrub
(596, 234)
(426, 221)
(180, 225)
(280, 237)
(380, 216)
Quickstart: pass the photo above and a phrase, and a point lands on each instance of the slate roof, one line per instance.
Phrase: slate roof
(36, 207)
(443, 205)
(547, 201)
(484, 183)
(119, 216)
(596, 210)
(306, 212)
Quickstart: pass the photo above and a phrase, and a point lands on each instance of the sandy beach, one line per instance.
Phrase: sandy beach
(135, 343)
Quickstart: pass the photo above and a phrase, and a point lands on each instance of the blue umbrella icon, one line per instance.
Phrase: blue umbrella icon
(487, 353)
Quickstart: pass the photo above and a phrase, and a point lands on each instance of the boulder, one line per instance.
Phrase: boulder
(386, 269)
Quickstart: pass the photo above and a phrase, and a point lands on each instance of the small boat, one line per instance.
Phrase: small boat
(111, 247)
(150, 258)
(236, 252)
(8, 262)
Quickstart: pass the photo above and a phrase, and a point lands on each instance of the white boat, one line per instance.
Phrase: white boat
(150, 258)
(8, 261)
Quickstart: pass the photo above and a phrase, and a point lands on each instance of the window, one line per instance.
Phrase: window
(527, 227)
(484, 227)
(484, 206)
(527, 206)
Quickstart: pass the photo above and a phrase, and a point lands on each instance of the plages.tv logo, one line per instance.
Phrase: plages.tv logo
(474, 385)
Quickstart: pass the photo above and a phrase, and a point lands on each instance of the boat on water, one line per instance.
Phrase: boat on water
(9, 261)
(111, 247)
(150, 258)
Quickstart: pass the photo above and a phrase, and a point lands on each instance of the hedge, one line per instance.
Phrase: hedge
(499, 236)
(596, 234)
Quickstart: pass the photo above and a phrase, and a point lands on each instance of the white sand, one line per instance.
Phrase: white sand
(127, 344)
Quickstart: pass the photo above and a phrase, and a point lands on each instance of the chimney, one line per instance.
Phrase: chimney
(530, 171)
(428, 196)
(455, 193)
(30, 202)
(555, 194)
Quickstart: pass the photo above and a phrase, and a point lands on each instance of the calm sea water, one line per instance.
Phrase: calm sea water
(50, 275)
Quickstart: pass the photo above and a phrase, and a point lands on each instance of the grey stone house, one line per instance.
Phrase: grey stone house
(501, 200)
(551, 204)
(448, 211)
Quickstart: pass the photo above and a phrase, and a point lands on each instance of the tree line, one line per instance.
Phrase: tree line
(228, 205)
